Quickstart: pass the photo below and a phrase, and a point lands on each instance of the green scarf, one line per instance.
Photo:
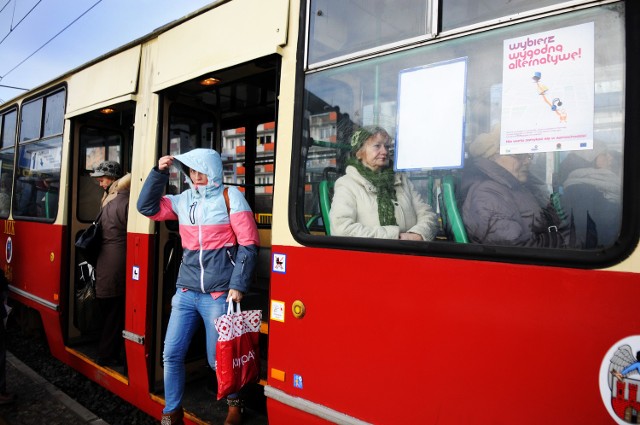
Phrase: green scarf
(383, 181)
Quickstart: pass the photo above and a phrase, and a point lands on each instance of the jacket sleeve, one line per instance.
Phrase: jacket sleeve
(344, 214)
(151, 203)
(427, 220)
(244, 227)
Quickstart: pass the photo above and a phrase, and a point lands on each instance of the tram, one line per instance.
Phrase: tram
(471, 330)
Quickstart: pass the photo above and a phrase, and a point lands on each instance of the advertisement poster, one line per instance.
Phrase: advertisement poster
(548, 91)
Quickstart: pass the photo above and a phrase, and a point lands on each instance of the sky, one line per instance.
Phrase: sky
(100, 26)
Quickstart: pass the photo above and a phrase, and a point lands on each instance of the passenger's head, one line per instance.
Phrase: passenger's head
(106, 173)
(487, 145)
(371, 145)
(204, 166)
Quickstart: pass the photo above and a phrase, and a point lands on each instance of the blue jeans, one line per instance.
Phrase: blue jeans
(186, 310)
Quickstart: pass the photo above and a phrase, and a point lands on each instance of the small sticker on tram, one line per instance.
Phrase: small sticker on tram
(277, 310)
(297, 381)
(620, 378)
(279, 263)
(135, 275)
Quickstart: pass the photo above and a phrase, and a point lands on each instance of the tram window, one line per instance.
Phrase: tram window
(96, 145)
(459, 13)
(54, 114)
(39, 158)
(342, 99)
(8, 131)
(339, 27)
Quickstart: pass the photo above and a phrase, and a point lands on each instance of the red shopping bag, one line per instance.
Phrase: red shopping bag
(237, 349)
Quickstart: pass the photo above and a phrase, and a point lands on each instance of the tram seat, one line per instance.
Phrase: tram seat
(451, 218)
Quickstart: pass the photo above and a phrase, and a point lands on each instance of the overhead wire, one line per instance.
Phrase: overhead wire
(50, 40)
(11, 28)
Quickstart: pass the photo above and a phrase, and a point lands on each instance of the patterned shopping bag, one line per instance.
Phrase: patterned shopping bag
(237, 349)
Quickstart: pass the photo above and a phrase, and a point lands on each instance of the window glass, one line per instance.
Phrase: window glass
(342, 100)
(38, 181)
(460, 13)
(234, 161)
(37, 185)
(30, 125)
(341, 27)
(8, 129)
(96, 145)
(8, 132)
(54, 114)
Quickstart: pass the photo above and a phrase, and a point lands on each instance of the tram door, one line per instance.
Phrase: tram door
(234, 112)
(101, 135)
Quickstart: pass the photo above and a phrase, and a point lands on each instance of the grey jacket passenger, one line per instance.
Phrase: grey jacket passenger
(498, 208)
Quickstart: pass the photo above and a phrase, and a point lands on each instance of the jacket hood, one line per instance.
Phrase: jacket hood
(205, 161)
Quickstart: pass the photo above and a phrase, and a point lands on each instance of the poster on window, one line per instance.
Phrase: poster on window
(548, 91)
(431, 114)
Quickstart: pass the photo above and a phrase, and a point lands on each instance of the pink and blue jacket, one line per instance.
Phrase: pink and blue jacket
(220, 248)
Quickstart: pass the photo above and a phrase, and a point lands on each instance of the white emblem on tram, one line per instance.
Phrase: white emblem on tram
(620, 381)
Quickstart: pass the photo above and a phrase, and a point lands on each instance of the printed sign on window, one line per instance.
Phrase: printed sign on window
(547, 91)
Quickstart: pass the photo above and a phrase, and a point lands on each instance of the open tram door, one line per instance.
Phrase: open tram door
(234, 112)
(104, 134)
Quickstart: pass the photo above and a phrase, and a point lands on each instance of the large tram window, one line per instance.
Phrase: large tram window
(339, 27)
(39, 157)
(96, 145)
(342, 99)
(188, 129)
(8, 125)
(235, 159)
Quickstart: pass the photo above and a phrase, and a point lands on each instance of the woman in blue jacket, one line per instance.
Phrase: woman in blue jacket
(220, 248)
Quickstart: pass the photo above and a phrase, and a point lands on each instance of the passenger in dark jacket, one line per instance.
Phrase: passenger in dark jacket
(111, 264)
(501, 205)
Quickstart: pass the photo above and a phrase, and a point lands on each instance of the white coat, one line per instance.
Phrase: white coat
(354, 209)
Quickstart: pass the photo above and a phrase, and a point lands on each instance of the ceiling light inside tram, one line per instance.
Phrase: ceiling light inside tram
(210, 81)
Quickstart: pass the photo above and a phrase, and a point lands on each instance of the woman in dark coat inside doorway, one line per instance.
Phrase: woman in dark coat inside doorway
(111, 264)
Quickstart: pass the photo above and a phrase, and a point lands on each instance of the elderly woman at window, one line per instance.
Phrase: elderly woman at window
(371, 200)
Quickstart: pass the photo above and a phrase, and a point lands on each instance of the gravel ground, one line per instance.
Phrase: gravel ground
(31, 348)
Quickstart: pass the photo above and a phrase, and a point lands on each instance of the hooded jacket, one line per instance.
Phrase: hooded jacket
(219, 248)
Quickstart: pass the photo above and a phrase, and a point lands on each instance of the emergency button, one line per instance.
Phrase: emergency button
(298, 309)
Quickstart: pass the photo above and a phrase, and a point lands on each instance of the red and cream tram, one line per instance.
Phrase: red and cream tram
(356, 329)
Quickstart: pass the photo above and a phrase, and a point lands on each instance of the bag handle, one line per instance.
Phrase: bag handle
(230, 307)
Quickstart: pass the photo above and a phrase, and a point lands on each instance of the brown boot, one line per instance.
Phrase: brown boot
(173, 418)
(234, 417)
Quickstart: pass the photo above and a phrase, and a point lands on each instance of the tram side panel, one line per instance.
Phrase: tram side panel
(403, 339)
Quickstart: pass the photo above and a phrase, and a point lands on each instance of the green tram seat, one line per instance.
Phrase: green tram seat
(325, 195)
(451, 218)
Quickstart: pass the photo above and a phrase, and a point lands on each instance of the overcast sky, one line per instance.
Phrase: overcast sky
(26, 25)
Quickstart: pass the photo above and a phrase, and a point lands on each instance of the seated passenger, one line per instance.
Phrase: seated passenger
(371, 200)
(592, 200)
(502, 202)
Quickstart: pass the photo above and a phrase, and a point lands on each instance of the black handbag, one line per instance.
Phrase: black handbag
(90, 241)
